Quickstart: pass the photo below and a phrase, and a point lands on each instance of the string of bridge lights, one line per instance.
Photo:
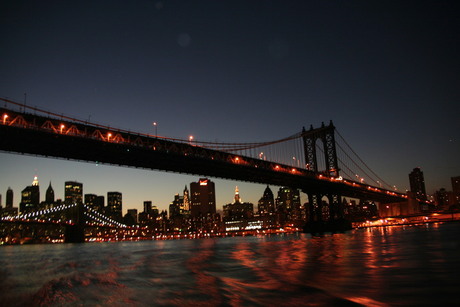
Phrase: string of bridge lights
(100, 217)
(104, 220)
(276, 150)
(26, 216)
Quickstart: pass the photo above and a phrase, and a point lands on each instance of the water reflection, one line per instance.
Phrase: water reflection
(378, 267)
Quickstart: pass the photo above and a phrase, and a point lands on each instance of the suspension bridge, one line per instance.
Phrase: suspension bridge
(318, 161)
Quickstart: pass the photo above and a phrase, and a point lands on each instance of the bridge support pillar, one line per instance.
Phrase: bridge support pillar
(334, 207)
(75, 233)
(314, 207)
(336, 221)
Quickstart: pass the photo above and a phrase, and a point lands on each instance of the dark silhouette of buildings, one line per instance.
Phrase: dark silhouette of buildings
(148, 206)
(95, 202)
(175, 206)
(49, 196)
(9, 210)
(130, 217)
(417, 184)
(203, 197)
(266, 204)
(9, 198)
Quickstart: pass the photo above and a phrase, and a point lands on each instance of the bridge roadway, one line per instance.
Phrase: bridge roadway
(27, 133)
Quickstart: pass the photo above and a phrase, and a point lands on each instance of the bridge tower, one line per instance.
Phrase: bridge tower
(75, 233)
(324, 134)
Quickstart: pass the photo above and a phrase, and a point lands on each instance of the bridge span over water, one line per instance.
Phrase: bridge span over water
(310, 160)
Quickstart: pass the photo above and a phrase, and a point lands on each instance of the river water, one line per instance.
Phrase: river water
(386, 266)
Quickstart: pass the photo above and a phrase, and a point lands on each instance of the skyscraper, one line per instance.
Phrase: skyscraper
(94, 202)
(203, 197)
(176, 206)
(9, 198)
(186, 206)
(30, 197)
(148, 206)
(49, 196)
(238, 210)
(114, 205)
(73, 193)
(266, 203)
(133, 214)
(417, 183)
(288, 204)
(288, 199)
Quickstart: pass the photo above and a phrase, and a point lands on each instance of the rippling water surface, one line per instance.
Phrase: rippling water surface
(417, 265)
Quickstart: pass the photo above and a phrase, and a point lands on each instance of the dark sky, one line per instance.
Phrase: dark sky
(386, 72)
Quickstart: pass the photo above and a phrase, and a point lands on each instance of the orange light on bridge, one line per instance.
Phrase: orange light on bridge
(61, 128)
(5, 116)
(109, 135)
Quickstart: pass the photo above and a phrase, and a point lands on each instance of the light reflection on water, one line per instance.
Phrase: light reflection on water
(379, 267)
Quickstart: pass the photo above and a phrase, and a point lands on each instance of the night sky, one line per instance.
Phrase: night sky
(386, 72)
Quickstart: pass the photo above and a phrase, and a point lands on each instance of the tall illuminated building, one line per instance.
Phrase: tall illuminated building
(30, 197)
(417, 183)
(114, 205)
(203, 197)
(238, 210)
(186, 204)
(288, 199)
(73, 193)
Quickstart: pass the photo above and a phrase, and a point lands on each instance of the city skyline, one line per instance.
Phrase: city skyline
(239, 71)
(164, 205)
(161, 206)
